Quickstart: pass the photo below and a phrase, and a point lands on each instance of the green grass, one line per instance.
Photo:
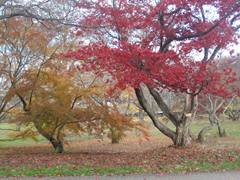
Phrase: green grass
(202, 166)
(67, 170)
(6, 135)
(7, 141)
(232, 130)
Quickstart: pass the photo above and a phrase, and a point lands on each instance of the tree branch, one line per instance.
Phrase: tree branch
(160, 126)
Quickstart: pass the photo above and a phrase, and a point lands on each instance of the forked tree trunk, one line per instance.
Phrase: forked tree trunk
(182, 136)
(182, 121)
(212, 109)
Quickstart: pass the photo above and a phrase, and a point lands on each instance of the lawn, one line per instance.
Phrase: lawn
(67, 170)
(203, 166)
(7, 139)
(184, 166)
(232, 130)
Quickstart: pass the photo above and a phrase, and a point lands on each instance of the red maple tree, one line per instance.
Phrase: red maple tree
(167, 44)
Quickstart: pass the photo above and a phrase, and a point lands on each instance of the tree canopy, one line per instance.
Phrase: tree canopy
(163, 44)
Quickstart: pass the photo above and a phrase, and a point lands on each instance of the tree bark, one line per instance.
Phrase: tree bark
(57, 145)
(115, 136)
(221, 130)
(183, 134)
(201, 134)
(216, 121)
(56, 142)
(182, 122)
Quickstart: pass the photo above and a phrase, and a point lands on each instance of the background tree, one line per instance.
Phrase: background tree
(214, 105)
(232, 111)
(23, 45)
(47, 12)
(150, 46)
(214, 108)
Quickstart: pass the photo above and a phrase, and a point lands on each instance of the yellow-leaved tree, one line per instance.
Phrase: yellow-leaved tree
(55, 106)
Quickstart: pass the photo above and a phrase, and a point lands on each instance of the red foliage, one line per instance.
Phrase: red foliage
(154, 43)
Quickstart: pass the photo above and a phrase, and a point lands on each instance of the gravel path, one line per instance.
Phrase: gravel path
(194, 176)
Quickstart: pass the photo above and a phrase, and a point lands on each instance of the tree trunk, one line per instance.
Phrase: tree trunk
(201, 134)
(141, 115)
(183, 134)
(115, 136)
(182, 121)
(212, 119)
(221, 131)
(57, 145)
(56, 142)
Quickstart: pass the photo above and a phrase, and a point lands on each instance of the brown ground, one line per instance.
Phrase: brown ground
(94, 146)
(153, 154)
